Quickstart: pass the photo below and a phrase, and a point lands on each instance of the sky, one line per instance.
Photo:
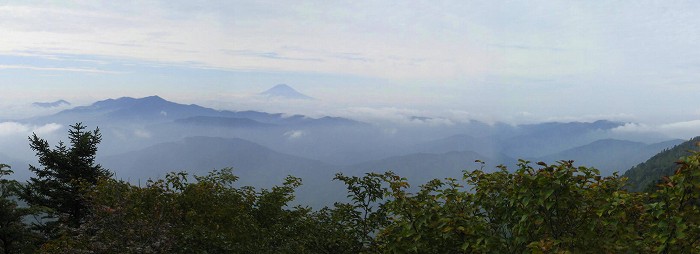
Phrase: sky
(511, 61)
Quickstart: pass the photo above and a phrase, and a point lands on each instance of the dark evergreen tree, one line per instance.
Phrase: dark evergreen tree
(65, 175)
(15, 236)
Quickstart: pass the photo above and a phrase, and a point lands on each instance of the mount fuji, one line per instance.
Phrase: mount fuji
(285, 91)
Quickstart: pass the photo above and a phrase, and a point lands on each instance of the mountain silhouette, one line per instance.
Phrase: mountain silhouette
(155, 109)
(285, 91)
(610, 155)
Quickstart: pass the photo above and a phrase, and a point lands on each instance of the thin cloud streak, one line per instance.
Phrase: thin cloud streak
(67, 69)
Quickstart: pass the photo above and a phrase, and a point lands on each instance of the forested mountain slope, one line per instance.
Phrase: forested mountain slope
(611, 155)
(658, 166)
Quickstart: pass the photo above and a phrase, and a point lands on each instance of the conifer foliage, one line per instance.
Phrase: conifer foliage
(64, 177)
(15, 237)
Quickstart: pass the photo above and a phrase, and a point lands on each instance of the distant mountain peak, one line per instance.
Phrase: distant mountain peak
(153, 97)
(129, 101)
(156, 109)
(54, 104)
(285, 91)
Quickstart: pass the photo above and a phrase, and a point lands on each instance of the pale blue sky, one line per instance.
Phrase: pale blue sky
(515, 61)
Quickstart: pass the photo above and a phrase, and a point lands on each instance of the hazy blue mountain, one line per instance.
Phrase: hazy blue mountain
(610, 155)
(559, 128)
(155, 109)
(666, 145)
(253, 162)
(331, 120)
(227, 122)
(132, 124)
(521, 141)
(148, 109)
(285, 91)
(19, 167)
(535, 140)
(461, 142)
(54, 104)
(422, 167)
(256, 165)
(662, 164)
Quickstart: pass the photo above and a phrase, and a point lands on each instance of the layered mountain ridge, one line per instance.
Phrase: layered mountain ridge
(150, 136)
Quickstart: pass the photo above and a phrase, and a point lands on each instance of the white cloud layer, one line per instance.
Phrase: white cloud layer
(683, 129)
(14, 128)
(47, 129)
(15, 110)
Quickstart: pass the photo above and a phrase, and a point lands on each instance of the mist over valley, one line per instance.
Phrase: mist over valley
(146, 138)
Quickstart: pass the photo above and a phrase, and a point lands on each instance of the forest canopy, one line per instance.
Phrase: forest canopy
(534, 208)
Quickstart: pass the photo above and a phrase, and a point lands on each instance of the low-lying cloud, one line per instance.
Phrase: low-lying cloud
(295, 134)
(14, 128)
(13, 111)
(405, 116)
(11, 128)
(47, 128)
(683, 129)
